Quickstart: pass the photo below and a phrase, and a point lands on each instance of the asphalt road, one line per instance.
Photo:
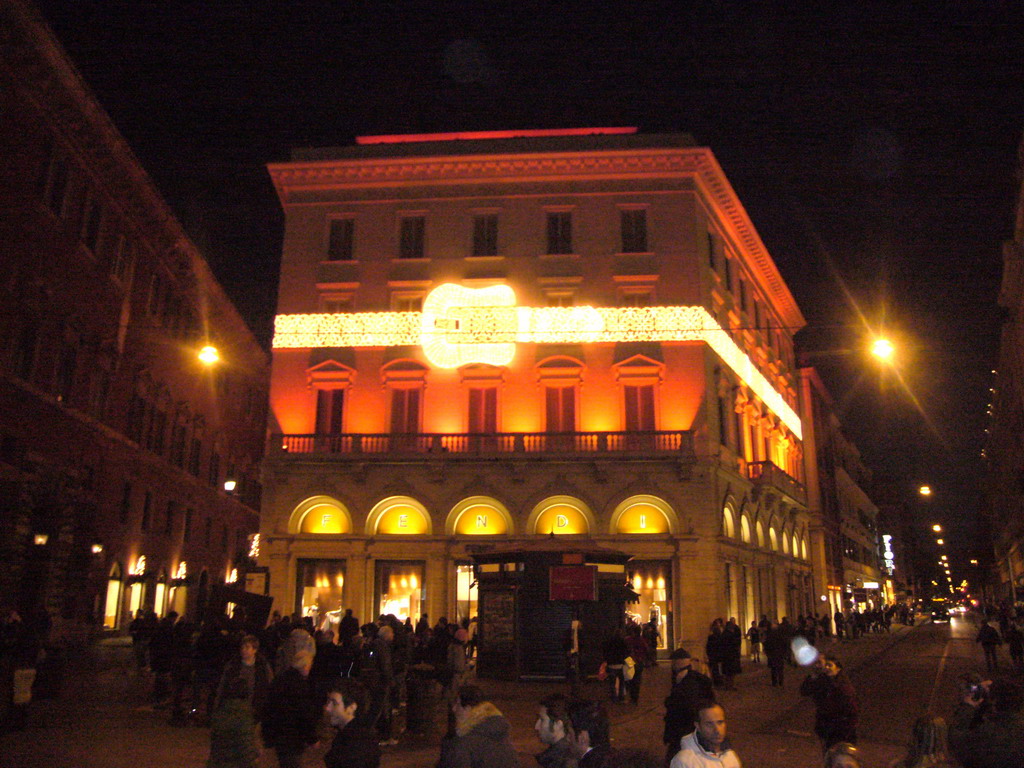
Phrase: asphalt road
(102, 720)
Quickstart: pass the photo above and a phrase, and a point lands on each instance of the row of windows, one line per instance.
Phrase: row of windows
(561, 408)
(746, 436)
(789, 544)
(484, 239)
(172, 520)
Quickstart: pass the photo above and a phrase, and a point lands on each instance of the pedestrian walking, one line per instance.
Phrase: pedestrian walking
(237, 706)
(732, 653)
(482, 734)
(690, 688)
(835, 717)
(551, 725)
(987, 729)
(637, 652)
(988, 637)
(354, 745)
(776, 650)
(754, 639)
(929, 747)
(291, 713)
(714, 651)
(590, 735)
(707, 746)
(1015, 642)
(614, 652)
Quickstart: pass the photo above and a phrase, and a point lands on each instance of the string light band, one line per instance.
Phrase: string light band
(459, 326)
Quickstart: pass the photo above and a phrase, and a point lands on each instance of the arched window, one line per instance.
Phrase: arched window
(320, 515)
(785, 543)
(803, 548)
(642, 514)
(479, 516)
(760, 533)
(744, 529)
(773, 538)
(399, 516)
(728, 524)
(561, 515)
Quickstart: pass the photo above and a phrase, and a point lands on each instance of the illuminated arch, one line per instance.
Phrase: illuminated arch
(643, 514)
(803, 548)
(561, 515)
(320, 515)
(400, 516)
(744, 529)
(785, 543)
(759, 529)
(479, 516)
(728, 522)
(773, 538)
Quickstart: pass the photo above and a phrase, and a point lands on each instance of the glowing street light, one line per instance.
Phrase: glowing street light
(940, 542)
(209, 355)
(883, 349)
(925, 490)
(937, 528)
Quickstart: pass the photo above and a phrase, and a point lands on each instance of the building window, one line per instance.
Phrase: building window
(121, 259)
(340, 239)
(407, 302)
(634, 230)
(91, 225)
(214, 476)
(55, 185)
(147, 510)
(329, 409)
(169, 521)
(99, 388)
(158, 427)
(67, 366)
(194, 456)
(126, 502)
(560, 409)
(559, 232)
(411, 237)
(483, 410)
(728, 273)
(187, 528)
(636, 297)
(639, 408)
(560, 298)
(405, 411)
(485, 234)
(334, 304)
(723, 423)
(712, 249)
(208, 532)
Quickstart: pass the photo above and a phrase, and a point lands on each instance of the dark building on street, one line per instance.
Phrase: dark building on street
(115, 440)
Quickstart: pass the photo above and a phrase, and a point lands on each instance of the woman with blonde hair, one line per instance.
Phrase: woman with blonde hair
(928, 745)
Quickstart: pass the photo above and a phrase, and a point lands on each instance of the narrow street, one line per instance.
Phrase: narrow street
(102, 720)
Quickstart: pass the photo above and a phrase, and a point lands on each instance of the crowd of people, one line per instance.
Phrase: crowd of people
(333, 693)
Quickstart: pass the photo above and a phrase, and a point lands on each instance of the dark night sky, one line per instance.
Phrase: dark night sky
(874, 148)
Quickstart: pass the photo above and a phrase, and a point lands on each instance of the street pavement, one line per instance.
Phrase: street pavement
(102, 720)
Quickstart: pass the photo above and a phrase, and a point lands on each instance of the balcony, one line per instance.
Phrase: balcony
(766, 475)
(561, 445)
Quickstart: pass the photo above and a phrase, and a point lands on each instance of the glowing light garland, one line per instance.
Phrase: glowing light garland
(461, 325)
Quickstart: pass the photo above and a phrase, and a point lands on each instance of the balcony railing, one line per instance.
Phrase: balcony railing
(424, 445)
(765, 473)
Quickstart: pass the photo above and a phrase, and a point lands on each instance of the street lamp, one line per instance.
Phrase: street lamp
(925, 490)
(209, 355)
(940, 542)
(937, 528)
(883, 349)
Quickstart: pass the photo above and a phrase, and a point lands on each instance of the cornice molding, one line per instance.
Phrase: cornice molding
(698, 163)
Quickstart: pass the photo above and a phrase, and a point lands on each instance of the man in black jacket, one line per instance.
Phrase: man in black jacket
(551, 730)
(689, 689)
(355, 745)
(291, 714)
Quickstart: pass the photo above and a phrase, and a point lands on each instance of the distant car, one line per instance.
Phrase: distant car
(940, 615)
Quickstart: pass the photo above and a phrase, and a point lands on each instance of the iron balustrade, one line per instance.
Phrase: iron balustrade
(767, 473)
(584, 444)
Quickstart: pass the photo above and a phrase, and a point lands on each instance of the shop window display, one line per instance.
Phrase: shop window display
(321, 587)
(652, 581)
(400, 589)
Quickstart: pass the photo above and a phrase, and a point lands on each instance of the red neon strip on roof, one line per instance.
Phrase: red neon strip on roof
(411, 138)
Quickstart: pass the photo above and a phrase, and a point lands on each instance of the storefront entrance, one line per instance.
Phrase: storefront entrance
(320, 591)
(466, 592)
(399, 588)
(652, 580)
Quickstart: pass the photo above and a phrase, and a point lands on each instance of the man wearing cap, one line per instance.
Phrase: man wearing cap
(689, 689)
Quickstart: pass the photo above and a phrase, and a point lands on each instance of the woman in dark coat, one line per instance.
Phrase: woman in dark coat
(732, 652)
(835, 718)
(715, 651)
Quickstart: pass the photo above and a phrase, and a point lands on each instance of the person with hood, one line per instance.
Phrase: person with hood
(482, 735)
(291, 714)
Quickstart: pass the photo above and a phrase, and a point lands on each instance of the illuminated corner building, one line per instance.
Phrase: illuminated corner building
(847, 547)
(484, 339)
(115, 441)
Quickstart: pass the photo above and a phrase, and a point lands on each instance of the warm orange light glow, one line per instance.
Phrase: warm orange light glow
(460, 326)
(883, 349)
(402, 519)
(925, 490)
(209, 355)
(531, 133)
(937, 528)
(325, 518)
(481, 520)
(642, 518)
(561, 518)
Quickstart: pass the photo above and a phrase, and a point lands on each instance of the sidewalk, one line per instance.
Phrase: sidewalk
(103, 720)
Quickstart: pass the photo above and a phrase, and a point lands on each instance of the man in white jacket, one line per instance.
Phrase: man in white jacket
(707, 746)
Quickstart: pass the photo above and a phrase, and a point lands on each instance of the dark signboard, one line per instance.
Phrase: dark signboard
(572, 582)
(497, 617)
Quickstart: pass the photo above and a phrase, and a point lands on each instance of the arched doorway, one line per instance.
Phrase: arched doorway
(112, 607)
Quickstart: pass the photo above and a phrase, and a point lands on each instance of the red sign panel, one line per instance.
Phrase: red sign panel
(572, 582)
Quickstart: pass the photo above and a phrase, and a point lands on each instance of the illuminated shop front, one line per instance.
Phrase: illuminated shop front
(112, 605)
(399, 588)
(652, 580)
(320, 590)
(466, 592)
